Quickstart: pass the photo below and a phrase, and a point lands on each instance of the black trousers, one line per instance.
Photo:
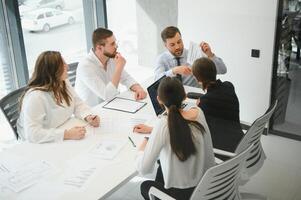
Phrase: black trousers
(181, 194)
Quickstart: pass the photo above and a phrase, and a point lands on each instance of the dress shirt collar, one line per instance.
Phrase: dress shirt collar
(95, 58)
(174, 57)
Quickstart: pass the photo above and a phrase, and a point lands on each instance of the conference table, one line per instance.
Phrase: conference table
(68, 161)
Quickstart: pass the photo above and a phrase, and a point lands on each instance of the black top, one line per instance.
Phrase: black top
(221, 101)
(221, 108)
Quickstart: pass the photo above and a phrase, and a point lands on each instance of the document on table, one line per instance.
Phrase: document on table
(107, 149)
(140, 119)
(78, 178)
(109, 121)
(194, 52)
(124, 105)
(24, 176)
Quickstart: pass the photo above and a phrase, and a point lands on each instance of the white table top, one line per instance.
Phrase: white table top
(109, 175)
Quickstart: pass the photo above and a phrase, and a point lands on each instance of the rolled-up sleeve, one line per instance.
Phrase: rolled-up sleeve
(126, 79)
(34, 115)
(162, 69)
(220, 65)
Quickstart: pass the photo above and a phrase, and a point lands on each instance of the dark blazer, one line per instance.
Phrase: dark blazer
(221, 108)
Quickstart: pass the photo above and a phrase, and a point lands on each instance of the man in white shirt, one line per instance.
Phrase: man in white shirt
(173, 62)
(99, 73)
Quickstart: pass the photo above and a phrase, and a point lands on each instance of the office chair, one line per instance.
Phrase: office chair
(10, 108)
(253, 136)
(257, 156)
(220, 182)
(72, 72)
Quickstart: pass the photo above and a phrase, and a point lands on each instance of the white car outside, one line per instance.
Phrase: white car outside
(30, 5)
(46, 18)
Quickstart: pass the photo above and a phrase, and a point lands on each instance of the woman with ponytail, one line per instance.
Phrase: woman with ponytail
(49, 101)
(181, 141)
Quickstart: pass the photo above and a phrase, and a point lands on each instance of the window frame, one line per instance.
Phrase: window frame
(95, 16)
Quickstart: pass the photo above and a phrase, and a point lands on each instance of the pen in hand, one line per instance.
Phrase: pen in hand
(132, 141)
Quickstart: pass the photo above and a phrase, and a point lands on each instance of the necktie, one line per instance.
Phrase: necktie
(178, 64)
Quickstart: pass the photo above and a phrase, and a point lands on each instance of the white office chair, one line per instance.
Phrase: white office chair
(219, 182)
(253, 135)
(72, 73)
(257, 156)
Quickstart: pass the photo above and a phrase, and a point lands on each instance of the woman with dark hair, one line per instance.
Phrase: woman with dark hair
(220, 106)
(48, 101)
(182, 142)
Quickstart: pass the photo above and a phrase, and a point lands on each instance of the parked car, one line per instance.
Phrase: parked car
(46, 18)
(30, 5)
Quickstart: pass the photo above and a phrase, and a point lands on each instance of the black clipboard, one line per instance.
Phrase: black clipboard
(107, 105)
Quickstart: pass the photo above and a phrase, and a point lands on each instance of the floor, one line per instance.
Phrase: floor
(278, 179)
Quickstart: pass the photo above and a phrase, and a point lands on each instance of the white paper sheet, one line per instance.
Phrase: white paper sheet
(113, 124)
(78, 178)
(194, 52)
(107, 149)
(25, 176)
(123, 104)
(140, 119)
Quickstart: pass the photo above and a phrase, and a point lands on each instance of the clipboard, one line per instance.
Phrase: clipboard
(124, 105)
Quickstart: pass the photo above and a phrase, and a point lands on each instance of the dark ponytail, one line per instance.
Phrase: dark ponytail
(171, 92)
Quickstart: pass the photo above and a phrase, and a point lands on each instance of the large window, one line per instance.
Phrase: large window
(53, 25)
(6, 75)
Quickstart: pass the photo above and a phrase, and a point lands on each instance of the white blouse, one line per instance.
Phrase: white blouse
(176, 173)
(40, 115)
(93, 83)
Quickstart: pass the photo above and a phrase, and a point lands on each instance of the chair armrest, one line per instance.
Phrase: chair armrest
(223, 153)
(154, 192)
(218, 161)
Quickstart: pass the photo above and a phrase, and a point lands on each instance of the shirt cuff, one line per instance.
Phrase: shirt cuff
(86, 113)
(170, 73)
(59, 135)
(131, 83)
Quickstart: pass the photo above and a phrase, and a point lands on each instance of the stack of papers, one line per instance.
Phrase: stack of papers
(194, 52)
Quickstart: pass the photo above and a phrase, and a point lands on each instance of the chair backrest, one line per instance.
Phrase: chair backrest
(252, 136)
(221, 181)
(72, 72)
(10, 108)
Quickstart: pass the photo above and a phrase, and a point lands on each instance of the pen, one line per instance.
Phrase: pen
(132, 141)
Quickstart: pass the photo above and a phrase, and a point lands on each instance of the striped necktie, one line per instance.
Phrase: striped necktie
(179, 64)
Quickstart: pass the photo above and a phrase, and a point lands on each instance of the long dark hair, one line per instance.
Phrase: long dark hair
(171, 92)
(47, 74)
